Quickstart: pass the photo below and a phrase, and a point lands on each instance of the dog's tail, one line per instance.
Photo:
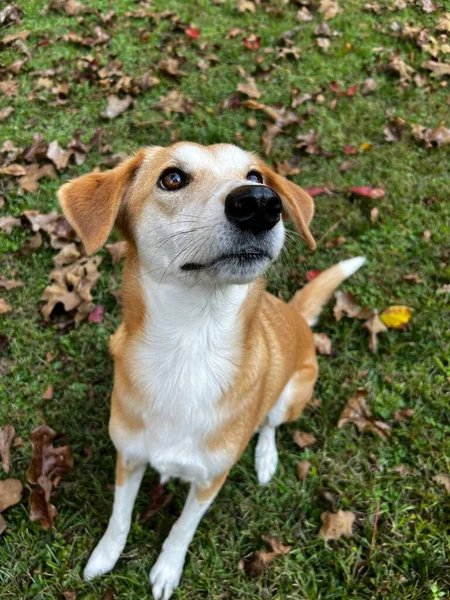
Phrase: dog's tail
(310, 300)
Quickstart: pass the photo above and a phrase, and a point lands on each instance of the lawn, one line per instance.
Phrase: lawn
(400, 543)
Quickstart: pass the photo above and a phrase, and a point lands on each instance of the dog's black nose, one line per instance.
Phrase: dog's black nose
(254, 208)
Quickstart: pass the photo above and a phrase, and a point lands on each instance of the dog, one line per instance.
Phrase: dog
(204, 357)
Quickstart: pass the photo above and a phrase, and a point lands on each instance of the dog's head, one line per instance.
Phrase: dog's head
(209, 212)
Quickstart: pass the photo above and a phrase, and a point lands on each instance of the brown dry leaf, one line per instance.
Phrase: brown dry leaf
(288, 167)
(13, 37)
(14, 170)
(369, 85)
(346, 305)
(336, 525)
(4, 307)
(403, 470)
(357, 412)
(413, 277)
(31, 245)
(40, 507)
(69, 595)
(67, 256)
(374, 326)
(116, 106)
(159, 498)
(444, 23)
(403, 414)
(7, 223)
(245, 5)
(9, 88)
(397, 64)
(439, 135)
(6, 112)
(49, 393)
(329, 9)
(322, 343)
(72, 287)
(443, 479)
(174, 102)
(280, 118)
(7, 434)
(427, 236)
(29, 183)
(10, 284)
(303, 439)
(10, 493)
(117, 251)
(303, 468)
(171, 66)
(47, 460)
(249, 88)
(255, 564)
(59, 157)
(440, 69)
(428, 6)
(323, 43)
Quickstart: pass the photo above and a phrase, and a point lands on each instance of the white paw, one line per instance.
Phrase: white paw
(166, 574)
(102, 560)
(266, 455)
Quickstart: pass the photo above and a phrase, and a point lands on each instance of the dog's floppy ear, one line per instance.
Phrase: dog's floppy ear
(92, 202)
(297, 204)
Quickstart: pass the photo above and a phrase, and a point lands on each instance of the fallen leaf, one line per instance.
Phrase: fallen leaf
(10, 284)
(32, 244)
(252, 42)
(192, 32)
(249, 88)
(4, 307)
(357, 412)
(427, 236)
(7, 434)
(303, 439)
(159, 498)
(303, 468)
(245, 5)
(67, 256)
(322, 343)
(336, 525)
(47, 460)
(174, 102)
(317, 191)
(440, 69)
(303, 15)
(59, 157)
(6, 112)
(329, 9)
(10, 493)
(255, 564)
(439, 135)
(117, 251)
(374, 214)
(339, 241)
(96, 316)
(403, 470)
(396, 317)
(403, 414)
(413, 277)
(369, 85)
(9, 88)
(444, 23)
(346, 305)
(323, 43)
(428, 6)
(116, 106)
(48, 394)
(13, 170)
(171, 66)
(287, 167)
(443, 479)
(367, 191)
(41, 508)
(29, 183)
(374, 326)
(68, 595)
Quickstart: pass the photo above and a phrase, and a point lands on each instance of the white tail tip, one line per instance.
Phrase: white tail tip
(350, 266)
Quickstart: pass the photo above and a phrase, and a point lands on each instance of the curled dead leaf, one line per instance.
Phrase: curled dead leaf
(303, 439)
(440, 69)
(322, 343)
(346, 305)
(303, 468)
(10, 493)
(59, 157)
(443, 479)
(7, 224)
(41, 508)
(255, 564)
(46, 459)
(7, 434)
(329, 9)
(249, 88)
(174, 102)
(116, 106)
(10, 284)
(374, 326)
(336, 525)
(357, 412)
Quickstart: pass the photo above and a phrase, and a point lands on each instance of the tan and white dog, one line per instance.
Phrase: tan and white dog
(204, 357)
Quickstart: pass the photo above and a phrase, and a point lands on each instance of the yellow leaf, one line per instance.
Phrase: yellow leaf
(396, 316)
(366, 146)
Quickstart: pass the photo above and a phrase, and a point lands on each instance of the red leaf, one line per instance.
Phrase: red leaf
(367, 191)
(316, 191)
(352, 90)
(310, 275)
(192, 32)
(349, 150)
(43, 43)
(334, 87)
(252, 42)
(96, 315)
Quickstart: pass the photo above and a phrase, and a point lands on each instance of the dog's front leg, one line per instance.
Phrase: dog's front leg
(108, 550)
(166, 572)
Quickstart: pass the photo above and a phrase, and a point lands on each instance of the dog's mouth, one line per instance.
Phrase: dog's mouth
(247, 258)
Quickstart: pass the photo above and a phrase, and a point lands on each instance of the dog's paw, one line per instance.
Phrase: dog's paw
(266, 455)
(102, 560)
(166, 574)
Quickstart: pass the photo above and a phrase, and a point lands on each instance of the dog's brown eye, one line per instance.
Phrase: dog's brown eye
(255, 177)
(173, 179)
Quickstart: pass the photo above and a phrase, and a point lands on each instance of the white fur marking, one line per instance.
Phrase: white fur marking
(351, 265)
(266, 455)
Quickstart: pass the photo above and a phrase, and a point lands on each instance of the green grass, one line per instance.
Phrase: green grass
(406, 557)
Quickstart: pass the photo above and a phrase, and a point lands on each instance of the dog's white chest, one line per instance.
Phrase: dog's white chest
(185, 361)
